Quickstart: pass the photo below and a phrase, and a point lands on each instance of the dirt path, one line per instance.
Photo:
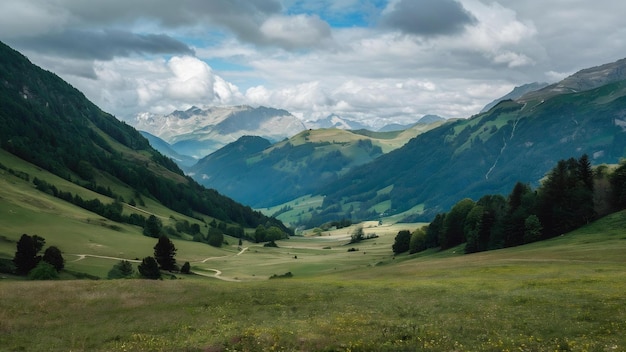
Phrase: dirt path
(217, 275)
(223, 256)
(83, 256)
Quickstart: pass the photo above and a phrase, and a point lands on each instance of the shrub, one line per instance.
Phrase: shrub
(271, 244)
(283, 276)
(186, 269)
(123, 269)
(43, 271)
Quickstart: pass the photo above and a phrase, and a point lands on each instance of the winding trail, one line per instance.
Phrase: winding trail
(217, 275)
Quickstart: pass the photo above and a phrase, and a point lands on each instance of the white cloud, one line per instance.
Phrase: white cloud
(287, 54)
(299, 31)
(128, 86)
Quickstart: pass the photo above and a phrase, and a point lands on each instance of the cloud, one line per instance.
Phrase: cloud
(427, 18)
(372, 60)
(104, 45)
(127, 86)
(299, 31)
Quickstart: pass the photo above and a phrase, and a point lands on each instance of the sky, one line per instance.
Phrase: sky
(375, 61)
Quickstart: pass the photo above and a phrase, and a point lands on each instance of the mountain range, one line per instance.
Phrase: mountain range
(417, 172)
(488, 153)
(254, 171)
(198, 132)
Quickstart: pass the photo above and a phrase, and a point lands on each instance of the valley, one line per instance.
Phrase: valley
(566, 293)
(359, 240)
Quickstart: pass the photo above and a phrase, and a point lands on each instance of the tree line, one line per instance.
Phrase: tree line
(571, 195)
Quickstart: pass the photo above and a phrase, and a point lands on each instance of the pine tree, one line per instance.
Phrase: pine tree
(164, 253)
(153, 227)
(149, 268)
(26, 257)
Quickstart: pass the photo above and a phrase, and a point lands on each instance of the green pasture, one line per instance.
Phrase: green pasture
(565, 294)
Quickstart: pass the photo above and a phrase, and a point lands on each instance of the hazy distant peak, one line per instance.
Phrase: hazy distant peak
(516, 93)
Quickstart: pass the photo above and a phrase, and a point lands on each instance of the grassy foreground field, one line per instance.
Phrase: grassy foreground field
(565, 294)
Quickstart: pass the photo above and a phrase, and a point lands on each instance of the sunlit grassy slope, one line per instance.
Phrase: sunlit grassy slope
(565, 294)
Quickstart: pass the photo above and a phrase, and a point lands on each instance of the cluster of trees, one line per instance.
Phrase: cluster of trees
(568, 198)
(268, 234)
(359, 235)
(28, 261)
(112, 211)
(214, 235)
(151, 266)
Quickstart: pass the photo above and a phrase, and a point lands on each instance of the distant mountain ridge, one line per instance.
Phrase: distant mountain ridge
(198, 132)
(516, 93)
(166, 149)
(256, 172)
(424, 120)
(581, 81)
(336, 121)
(488, 153)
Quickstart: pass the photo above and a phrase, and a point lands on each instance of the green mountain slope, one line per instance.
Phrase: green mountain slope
(257, 173)
(50, 124)
(485, 154)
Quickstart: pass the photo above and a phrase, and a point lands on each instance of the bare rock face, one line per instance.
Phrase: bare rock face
(198, 132)
(583, 80)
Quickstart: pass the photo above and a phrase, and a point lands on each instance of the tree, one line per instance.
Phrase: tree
(153, 227)
(53, 256)
(186, 269)
(358, 235)
(473, 229)
(26, 257)
(401, 242)
(533, 229)
(122, 270)
(43, 271)
(521, 203)
(273, 233)
(454, 224)
(434, 231)
(149, 268)
(618, 186)
(418, 240)
(566, 197)
(164, 253)
(259, 234)
(215, 237)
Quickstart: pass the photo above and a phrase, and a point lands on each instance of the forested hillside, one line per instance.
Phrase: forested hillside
(485, 154)
(47, 122)
(253, 171)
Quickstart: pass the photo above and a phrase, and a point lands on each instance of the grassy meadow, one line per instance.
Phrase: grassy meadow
(564, 294)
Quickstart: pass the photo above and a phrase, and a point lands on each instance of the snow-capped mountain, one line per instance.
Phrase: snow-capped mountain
(198, 132)
(336, 121)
